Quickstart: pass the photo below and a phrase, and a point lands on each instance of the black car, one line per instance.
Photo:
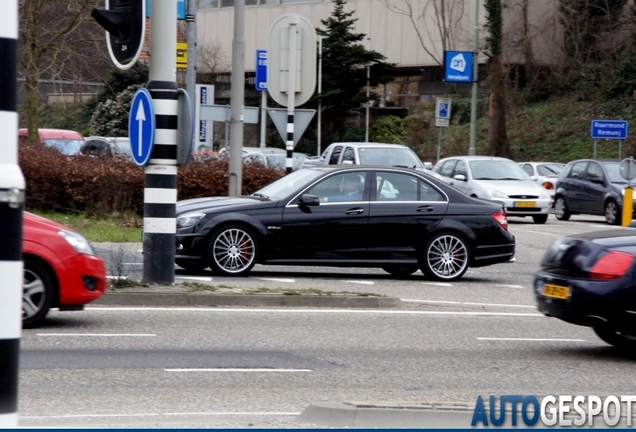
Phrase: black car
(589, 186)
(590, 280)
(400, 220)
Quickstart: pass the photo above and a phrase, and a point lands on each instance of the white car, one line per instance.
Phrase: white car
(544, 173)
(497, 179)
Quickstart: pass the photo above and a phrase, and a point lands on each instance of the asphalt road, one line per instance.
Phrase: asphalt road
(242, 367)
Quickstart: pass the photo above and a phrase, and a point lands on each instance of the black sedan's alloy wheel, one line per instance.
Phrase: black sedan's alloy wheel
(232, 251)
(446, 257)
(616, 337)
(37, 293)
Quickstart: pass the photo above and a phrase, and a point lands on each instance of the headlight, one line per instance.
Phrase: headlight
(189, 219)
(545, 195)
(496, 194)
(79, 243)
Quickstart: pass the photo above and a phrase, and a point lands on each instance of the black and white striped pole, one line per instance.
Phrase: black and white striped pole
(11, 207)
(160, 192)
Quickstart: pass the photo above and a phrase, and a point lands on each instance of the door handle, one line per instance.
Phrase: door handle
(354, 211)
(427, 208)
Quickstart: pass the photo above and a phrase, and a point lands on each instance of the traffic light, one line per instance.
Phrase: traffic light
(125, 24)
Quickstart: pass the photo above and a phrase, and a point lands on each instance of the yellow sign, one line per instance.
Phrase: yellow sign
(182, 55)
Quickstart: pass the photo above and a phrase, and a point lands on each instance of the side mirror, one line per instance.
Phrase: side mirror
(534, 178)
(347, 162)
(460, 177)
(428, 165)
(309, 200)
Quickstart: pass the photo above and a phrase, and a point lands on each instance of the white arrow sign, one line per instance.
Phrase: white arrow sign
(141, 118)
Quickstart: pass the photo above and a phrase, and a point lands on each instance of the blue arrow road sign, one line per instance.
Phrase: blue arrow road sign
(458, 66)
(141, 126)
(261, 70)
(609, 129)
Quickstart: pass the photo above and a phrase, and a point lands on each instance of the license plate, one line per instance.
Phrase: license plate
(525, 204)
(556, 291)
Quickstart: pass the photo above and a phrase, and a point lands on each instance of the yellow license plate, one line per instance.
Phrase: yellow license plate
(556, 291)
(525, 204)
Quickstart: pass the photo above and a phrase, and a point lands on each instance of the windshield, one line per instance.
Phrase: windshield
(289, 184)
(390, 157)
(550, 170)
(613, 171)
(497, 170)
(64, 146)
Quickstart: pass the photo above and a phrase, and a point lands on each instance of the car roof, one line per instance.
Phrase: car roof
(476, 158)
(369, 144)
(47, 133)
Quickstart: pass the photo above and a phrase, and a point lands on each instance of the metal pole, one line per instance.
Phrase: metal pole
(620, 149)
(439, 144)
(237, 99)
(319, 132)
(291, 92)
(472, 149)
(595, 148)
(366, 124)
(191, 39)
(263, 117)
(11, 207)
(160, 191)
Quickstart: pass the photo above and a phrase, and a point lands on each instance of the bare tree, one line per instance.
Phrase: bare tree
(448, 22)
(212, 59)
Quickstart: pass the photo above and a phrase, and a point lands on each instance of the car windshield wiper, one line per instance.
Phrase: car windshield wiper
(509, 178)
(486, 178)
(259, 195)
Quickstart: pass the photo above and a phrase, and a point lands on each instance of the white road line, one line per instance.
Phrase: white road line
(468, 303)
(237, 413)
(135, 263)
(98, 334)
(441, 284)
(531, 339)
(511, 286)
(198, 278)
(305, 311)
(538, 232)
(235, 370)
(360, 282)
(279, 280)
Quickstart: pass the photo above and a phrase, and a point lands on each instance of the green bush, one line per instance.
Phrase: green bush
(388, 129)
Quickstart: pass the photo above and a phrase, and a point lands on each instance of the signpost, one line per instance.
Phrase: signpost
(442, 119)
(302, 118)
(141, 127)
(609, 129)
(261, 85)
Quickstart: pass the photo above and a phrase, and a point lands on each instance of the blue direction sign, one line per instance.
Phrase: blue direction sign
(141, 126)
(261, 70)
(609, 129)
(458, 66)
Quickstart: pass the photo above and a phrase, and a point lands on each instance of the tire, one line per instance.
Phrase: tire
(404, 270)
(561, 209)
(191, 265)
(446, 257)
(37, 294)
(232, 251)
(540, 219)
(613, 214)
(616, 338)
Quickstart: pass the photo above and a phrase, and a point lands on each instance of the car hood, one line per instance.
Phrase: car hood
(512, 187)
(213, 204)
(39, 222)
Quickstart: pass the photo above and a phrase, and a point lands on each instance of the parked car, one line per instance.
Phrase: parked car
(108, 146)
(589, 186)
(272, 157)
(368, 153)
(590, 280)
(544, 173)
(403, 220)
(61, 269)
(67, 142)
(497, 179)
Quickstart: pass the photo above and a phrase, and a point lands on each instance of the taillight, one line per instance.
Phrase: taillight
(501, 219)
(612, 265)
(548, 185)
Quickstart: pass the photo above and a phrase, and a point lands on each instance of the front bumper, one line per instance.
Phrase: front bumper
(81, 280)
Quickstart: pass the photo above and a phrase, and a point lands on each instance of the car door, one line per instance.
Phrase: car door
(404, 208)
(336, 229)
(594, 189)
(573, 186)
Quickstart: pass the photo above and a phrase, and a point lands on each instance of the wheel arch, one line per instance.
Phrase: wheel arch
(454, 228)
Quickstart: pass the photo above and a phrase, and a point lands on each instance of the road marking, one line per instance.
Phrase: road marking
(235, 370)
(467, 303)
(279, 280)
(98, 334)
(360, 282)
(531, 339)
(539, 232)
(197, 278)
(511, 286)
(135, 263)
(303, 311)
(441, 284)
(237, 413)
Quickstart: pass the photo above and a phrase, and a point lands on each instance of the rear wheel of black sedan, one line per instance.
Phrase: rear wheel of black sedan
(612, 213)
(446, 257)
(616, 337)
(561, 209)
(232, 251)
(404, 270)
(37, 293)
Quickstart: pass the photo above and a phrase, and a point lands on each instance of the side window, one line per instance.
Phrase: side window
(460, 168)
(335, 154)
(528, 169)
(349, 155)
(577, 171)
(594, 173)
(428, 193)
(447, 168)
(402, 187)
(348, 187)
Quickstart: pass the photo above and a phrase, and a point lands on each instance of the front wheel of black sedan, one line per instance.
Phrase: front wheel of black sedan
(446, 257)
(616, 337)
(232, 251)
(405, 270)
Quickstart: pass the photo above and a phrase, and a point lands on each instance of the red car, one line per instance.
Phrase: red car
(61, 269)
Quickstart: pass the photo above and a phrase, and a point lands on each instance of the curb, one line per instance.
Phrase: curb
(207, 299)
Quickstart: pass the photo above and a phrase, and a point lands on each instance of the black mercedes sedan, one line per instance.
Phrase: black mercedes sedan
(397, 219)
(590, 280)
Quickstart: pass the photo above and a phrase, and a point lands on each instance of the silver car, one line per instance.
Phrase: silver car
(497, 179)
